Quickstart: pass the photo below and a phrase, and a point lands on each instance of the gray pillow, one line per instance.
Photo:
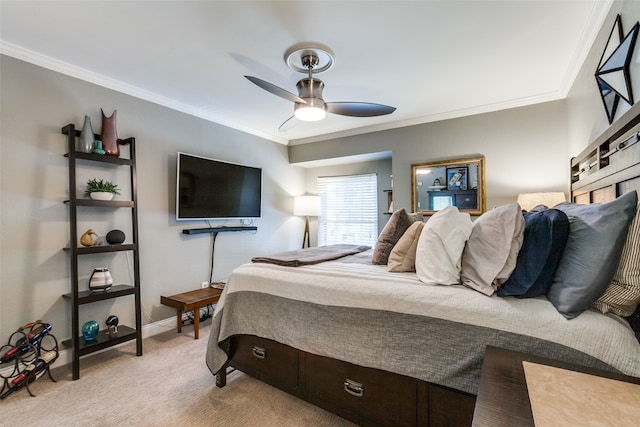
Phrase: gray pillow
(391, 233)
(403, 254)
(491, 252)
(597, 234)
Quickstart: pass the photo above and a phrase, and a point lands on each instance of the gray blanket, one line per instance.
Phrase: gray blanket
(359, 313)
(311, 256)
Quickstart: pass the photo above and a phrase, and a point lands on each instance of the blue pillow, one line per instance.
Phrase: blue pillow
(545, 237)
(597, 234)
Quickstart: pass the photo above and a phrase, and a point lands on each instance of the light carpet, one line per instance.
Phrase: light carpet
(169, 385)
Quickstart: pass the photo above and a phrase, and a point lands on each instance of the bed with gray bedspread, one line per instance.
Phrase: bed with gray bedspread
(351, 310)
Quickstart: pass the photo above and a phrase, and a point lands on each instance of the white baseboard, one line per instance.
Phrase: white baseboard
(65, 355)
(158, 327)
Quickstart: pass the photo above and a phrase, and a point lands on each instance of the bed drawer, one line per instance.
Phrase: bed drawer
(269, 361)
(364, 395)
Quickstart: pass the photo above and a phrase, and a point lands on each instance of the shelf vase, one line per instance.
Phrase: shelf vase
(87, 140)
(90, 330)
(109, 135)
(98, 150)
(100, 280)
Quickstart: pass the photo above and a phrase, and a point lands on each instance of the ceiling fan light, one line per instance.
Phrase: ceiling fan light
(310, 113)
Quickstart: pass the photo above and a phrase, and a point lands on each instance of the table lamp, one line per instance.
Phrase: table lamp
(528, 201)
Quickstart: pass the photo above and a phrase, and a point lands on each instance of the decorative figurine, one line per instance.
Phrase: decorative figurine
(112, 324)
(88, 238)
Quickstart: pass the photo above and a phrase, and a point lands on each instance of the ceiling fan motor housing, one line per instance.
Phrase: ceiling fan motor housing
(311, 91)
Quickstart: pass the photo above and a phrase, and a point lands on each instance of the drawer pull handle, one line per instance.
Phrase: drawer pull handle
(353, 388)
(258, 352)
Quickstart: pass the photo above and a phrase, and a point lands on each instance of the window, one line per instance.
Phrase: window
(348, 210)
(441, 202)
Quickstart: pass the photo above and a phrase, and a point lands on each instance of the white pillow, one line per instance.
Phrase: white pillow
(440, 247)
(492, 250)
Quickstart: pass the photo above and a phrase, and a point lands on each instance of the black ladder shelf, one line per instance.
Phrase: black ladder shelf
(80, 297)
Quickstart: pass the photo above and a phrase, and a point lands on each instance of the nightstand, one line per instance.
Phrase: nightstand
(503, 399)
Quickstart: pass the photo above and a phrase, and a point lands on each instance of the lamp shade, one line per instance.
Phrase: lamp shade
(528, 201)
(306, 205)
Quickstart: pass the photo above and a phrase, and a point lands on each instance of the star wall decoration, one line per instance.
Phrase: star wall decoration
(612, 75)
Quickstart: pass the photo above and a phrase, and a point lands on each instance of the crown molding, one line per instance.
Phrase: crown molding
(44, 61)
(598, 15)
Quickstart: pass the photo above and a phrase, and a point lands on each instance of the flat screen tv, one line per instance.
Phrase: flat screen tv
(209, 189)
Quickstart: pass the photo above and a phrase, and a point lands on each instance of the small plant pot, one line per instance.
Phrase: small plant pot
(101, 195)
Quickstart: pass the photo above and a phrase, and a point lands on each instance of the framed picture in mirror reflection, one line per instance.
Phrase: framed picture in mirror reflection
(457, 178)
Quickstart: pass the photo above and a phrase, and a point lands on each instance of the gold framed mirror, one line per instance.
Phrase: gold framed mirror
(456, 182)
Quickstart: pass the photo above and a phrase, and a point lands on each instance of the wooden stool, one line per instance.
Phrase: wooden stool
(192, 300)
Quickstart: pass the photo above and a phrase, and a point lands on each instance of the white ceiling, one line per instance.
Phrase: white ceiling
(432, 60)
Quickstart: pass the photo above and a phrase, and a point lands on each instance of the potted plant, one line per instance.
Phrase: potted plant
(101, 190)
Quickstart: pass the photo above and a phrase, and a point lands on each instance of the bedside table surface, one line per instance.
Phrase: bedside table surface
(503, 399)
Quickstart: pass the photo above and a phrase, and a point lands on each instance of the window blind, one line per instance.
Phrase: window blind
(348, 210)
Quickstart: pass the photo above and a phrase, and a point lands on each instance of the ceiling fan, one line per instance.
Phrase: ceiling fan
(309, 104)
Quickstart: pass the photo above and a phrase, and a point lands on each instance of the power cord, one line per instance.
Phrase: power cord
(213, 248)
(208, 314)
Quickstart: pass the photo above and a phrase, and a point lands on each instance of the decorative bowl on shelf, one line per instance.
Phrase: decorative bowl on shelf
(101, 195)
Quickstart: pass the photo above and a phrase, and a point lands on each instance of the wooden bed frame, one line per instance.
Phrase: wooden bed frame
(390, 399)
(610, 166)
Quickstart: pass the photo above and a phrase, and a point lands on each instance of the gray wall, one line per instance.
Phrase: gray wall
(34, 270)
(587, 118)
(525, 150)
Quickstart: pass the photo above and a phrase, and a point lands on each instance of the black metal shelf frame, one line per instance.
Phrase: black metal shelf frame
(76, 296)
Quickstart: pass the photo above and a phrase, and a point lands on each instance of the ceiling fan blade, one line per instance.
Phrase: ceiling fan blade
(359, 109)
(288, 124)
(278, 91)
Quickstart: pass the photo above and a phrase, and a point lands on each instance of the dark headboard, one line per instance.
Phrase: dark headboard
(609, 167)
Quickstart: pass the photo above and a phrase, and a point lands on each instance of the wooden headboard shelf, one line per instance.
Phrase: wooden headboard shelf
(609, 166)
